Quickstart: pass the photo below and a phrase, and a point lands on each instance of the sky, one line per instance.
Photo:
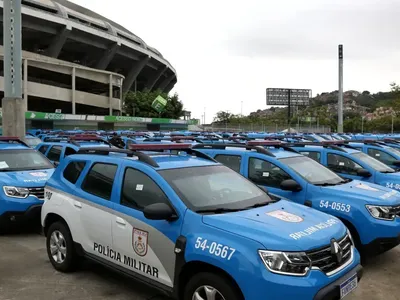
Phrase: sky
(227, 52)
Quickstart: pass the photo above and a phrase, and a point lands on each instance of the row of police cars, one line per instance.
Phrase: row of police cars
(209, 215)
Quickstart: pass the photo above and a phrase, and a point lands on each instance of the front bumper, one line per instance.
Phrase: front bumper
(381, 245)
(332, 291)
(32, 214)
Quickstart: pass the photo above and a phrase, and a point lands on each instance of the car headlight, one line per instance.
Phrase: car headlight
(382, 212)
(16, 192)
(286, 263)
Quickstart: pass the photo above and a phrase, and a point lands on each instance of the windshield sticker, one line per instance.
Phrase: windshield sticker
(285, 216)
(265, 174)
(3, 165)
(366, 187)
(341, 163)
(38, 174)
(139, 187)
(388, 195)
(312, 229)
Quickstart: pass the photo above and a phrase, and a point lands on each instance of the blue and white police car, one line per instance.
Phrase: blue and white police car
(23, 174)
(192, 228)
(371, 212)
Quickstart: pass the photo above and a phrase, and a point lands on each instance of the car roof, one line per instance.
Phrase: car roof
(321, 148)
(277, 152)
(164, 160)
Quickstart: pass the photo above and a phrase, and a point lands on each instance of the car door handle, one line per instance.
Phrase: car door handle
(77, 204)
(120, 221)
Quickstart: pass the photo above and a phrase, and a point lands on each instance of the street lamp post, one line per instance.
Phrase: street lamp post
(362, 124)
(241, 109)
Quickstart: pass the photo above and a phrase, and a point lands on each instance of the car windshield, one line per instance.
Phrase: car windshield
(312, 171)
(214, 187)
(32, 142)
(373, 163)
(394, 150)
(21, 160)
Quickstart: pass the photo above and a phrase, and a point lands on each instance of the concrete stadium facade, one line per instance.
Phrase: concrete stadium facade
(82, 63)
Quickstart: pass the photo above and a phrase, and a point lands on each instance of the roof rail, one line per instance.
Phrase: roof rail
(12, 140)
(238, 138)
(367, 142)
(106, 151)
(182, 138)
(143, 157)
(272, 143)
(389, 140)
(259, 149)
(333, 146)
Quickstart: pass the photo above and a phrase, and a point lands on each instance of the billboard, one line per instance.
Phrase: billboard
(296, 97)
(159, 104)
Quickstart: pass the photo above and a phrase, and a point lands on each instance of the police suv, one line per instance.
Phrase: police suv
(371, 212)
(23, 174)
(192, 228)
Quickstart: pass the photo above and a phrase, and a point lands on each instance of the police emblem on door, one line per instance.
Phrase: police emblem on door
(140, 241)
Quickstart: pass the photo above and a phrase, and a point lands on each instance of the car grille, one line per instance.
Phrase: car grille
(327, 262)
(396, 210)
(38, 192)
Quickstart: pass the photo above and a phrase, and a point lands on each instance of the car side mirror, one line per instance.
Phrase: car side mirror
(364, 173)
(56, 163)
(396, 163)
(159, 211)
(291, 185)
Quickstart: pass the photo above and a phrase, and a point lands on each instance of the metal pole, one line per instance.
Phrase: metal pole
(26, 84)
(288, 120)
(392, 122)
(340, 102)
(241, 109)
(362, 124)
(204, 115)
(276, 127)
(298, 123)
(13, 105)
(120, 97)
(73, 90)
(110, 95)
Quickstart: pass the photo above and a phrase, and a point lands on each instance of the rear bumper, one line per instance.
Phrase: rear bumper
(332, 291)
(381, 245)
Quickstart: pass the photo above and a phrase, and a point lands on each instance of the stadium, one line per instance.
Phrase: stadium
(79, 62)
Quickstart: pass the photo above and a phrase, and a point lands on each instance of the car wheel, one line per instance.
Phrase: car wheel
(209, 286)
(60, 247)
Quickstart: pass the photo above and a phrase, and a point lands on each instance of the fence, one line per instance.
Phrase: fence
(264, 128)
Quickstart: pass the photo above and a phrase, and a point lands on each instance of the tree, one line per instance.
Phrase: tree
(139, 104)
(223, 117)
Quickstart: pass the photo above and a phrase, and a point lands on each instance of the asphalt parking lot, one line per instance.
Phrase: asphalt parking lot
(26, 273)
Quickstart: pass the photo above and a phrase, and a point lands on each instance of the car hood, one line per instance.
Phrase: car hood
(281, 226)
(362, 191)
(34, 178)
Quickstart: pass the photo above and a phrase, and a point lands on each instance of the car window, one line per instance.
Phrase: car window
(265, 173)
(139, 190)
(69, 151)
(312, 154)
(99, 180)
(382, 156)
(372, 162)
(231, 161)
(341, 164)
(20, 160)
(54, 153)
(73, 171)
(43, 148)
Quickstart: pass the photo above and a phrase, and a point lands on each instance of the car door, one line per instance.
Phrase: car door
(232, 161)
(269, 175)
(95, 208)
(146, 246)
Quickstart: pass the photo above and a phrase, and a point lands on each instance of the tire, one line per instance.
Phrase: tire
(66, 255)
(222, 284)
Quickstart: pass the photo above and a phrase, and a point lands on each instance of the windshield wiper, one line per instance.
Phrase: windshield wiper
(260, 204)
(326, 184)
(218, 210)
(388, 172)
